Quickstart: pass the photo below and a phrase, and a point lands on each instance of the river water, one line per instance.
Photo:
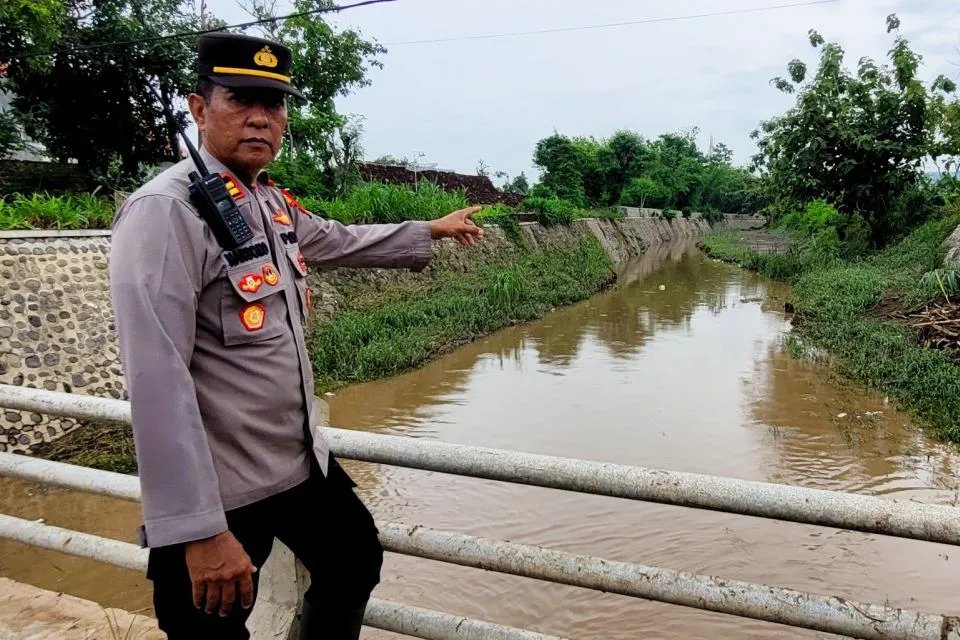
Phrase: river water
(682, 366)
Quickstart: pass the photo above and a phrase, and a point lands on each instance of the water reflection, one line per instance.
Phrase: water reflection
(692, 377)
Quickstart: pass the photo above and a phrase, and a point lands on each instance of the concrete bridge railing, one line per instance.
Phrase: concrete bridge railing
(276, 618)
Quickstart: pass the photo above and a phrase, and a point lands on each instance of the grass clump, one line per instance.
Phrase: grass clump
(99, 445)
(66, 212)
(374, 339)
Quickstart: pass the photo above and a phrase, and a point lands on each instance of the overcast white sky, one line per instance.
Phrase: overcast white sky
(459, 102)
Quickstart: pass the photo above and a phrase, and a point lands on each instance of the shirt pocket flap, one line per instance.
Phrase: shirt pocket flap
(296, 259)
(254, 280)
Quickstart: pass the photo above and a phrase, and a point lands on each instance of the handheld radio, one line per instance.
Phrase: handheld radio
(209, 195)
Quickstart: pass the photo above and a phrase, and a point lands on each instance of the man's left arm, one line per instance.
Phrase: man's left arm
(402, 245)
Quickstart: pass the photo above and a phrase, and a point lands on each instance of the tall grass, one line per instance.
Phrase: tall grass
(42, 211)
(374, 202)
(377, 338)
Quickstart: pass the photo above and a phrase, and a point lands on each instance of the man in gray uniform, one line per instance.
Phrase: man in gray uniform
(218, 374)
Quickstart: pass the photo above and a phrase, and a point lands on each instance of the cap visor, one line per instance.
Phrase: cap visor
(238, 82)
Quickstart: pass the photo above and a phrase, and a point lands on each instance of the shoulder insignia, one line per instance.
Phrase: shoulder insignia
(233, 187)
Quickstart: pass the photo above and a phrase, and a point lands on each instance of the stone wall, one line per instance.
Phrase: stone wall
(56, 326)
(56, 320)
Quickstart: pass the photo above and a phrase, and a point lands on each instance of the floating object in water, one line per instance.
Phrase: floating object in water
(663, 287)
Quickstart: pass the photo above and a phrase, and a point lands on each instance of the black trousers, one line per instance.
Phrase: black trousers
(322, 521)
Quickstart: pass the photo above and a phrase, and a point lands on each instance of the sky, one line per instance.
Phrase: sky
(464, 101)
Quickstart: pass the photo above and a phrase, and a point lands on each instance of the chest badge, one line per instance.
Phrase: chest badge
(252, 317)
(250, 282)
(302, 262)
(282, 218)
(270, 275)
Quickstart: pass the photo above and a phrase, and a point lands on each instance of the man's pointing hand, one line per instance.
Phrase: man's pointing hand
(457, 225)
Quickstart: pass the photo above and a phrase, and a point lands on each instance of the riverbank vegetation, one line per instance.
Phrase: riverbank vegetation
(866, 224)
(859, 313)
(392, 332)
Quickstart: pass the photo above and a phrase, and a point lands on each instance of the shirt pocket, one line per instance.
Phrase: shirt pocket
(300, 272)
(251, 309)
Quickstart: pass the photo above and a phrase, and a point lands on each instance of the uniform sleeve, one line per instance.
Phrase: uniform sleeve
(331, 243)
(156, 274)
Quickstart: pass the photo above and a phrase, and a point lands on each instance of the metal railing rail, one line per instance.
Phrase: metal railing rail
(382, 614)
(906, 519)
(760, 602)
(795, 608)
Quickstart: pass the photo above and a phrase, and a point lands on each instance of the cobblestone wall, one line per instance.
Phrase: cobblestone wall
(56, 328)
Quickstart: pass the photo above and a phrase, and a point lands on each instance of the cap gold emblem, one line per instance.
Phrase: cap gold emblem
(265, 58)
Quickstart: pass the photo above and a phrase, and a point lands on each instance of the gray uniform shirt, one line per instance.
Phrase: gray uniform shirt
(212, 344)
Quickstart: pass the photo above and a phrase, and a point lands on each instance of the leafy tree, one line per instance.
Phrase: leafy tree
(563, 166)
(857, 139)
(669, 171)
(30, 26)
(644, 192)
(326, 64)
(65, 100)
(625, 155)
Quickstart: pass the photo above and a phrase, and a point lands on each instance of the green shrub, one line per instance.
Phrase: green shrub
(551, 211)
(669, 214)
(713, 216)
(505, 218)
(816, 217)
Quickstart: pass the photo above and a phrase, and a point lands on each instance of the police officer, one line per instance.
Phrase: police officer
(218, 374)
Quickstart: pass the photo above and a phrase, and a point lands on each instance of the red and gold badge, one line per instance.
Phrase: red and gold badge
(282, 218)
(301, 261)
(270, 275)
(291, 201)
(252, 317)
(309, 303)
(250, 282)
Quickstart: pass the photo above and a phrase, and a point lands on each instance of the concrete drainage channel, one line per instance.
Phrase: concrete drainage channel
(275, 616)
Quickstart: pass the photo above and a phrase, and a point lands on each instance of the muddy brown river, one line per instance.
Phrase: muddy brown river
(691, 377)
